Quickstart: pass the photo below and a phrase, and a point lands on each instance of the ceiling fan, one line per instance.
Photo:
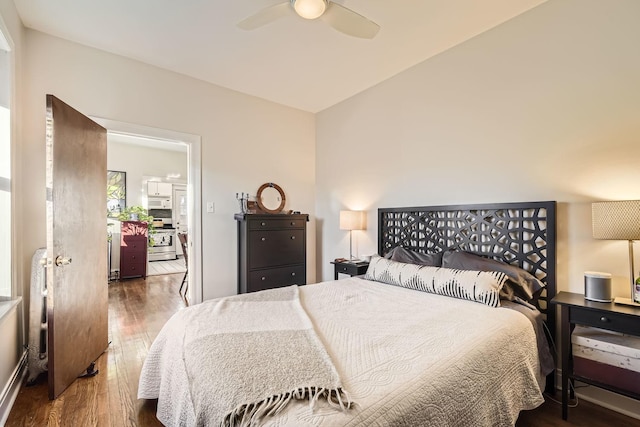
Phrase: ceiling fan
(337, 16)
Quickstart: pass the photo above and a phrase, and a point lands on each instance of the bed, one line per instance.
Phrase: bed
(385, 353)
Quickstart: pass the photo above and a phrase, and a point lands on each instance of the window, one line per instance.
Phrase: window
(5, 169)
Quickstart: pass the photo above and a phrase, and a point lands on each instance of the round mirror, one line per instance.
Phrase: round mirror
(270, 198)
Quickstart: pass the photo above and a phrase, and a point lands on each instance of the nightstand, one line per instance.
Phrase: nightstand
(575, 310)
(350, 268)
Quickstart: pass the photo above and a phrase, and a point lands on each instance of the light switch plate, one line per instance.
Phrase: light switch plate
(211, 207)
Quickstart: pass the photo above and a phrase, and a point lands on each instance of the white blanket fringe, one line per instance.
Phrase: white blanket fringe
(248, 415)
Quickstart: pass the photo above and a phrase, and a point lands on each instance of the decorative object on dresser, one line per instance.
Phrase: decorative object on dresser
(352, 220)
(272, 251)
(135, 213)
(270, 198)
(618, 220)
(133, 249)
(575, 310)
(243, 200)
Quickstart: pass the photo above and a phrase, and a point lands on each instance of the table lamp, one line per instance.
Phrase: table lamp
(352, 220)
(618, 220)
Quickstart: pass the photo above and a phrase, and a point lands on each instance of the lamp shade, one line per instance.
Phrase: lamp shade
(353, 220)
(619, 220)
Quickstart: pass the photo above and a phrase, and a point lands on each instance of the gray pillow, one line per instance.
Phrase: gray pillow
(520, 282)
(407, 256)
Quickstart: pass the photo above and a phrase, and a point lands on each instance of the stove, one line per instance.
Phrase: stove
(164, 243)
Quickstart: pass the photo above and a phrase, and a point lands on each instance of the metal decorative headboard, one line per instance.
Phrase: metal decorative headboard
(521, 234)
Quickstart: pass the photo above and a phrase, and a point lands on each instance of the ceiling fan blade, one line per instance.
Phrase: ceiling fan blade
(349, 22)
(265, 16)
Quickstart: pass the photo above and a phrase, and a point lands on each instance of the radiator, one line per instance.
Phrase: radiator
(37, 347)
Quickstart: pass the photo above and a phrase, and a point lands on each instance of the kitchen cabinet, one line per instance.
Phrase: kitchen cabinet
(271, 251)
(159, 189)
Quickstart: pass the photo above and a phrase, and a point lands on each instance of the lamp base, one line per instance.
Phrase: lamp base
(626, 301)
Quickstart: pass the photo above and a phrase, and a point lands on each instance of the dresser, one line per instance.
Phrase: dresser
(133, 249)
(272, 251)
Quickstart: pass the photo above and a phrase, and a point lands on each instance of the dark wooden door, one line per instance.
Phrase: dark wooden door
(77, 299)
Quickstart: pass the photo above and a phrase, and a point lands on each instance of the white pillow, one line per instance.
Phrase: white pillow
(479, 286)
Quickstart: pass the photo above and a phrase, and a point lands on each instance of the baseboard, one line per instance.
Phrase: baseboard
(601, 397)
(11, 391)
(615, 402)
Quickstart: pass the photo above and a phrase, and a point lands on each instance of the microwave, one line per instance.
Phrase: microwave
(159, 203)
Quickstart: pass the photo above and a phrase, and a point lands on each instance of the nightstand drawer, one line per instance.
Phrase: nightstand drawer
(605, 320)
(351, 269)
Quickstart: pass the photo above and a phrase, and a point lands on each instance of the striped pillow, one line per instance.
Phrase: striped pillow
(479, 286)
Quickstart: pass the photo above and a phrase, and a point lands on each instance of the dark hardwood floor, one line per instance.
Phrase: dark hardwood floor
(586, 414)
(137, 310)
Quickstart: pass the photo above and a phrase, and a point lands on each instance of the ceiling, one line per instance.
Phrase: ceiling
(292, 61)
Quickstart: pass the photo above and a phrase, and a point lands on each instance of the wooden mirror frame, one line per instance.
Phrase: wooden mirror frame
(259, 198)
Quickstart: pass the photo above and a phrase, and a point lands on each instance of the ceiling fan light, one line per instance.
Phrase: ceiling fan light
(309, 9)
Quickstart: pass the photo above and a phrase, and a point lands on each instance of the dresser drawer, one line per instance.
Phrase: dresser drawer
(276, 223)
(134, 242)
(133, 269)
(272, 248)
(612, 321)
(276, 278)
(133, 256)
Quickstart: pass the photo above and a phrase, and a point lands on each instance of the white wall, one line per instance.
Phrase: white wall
(543, 107)
(141, 162)
(246, 141)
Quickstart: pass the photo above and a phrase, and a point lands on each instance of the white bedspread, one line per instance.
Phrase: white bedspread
(407, 358)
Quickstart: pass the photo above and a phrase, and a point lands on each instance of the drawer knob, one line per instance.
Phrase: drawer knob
(263, 278)
(293, 237)
(344, 268)
(293, 274)
(604, 319)
(263, 239)
(293, 223)
(263, 224)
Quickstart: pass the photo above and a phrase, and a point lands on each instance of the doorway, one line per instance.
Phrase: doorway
(178, 141)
